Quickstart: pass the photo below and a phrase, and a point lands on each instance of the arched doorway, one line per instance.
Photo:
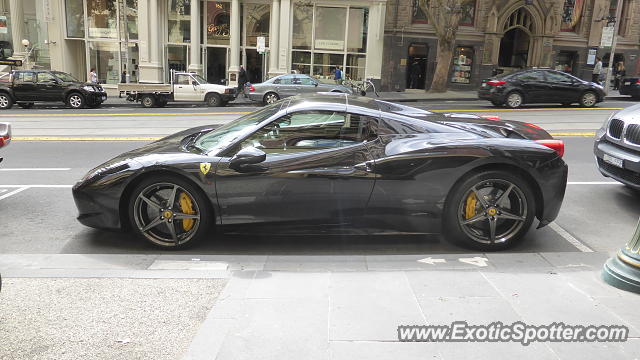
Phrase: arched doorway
(516, 44)
(514, 49)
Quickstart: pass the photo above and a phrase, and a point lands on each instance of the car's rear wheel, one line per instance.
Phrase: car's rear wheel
(489, 211)
(76, 101)
(25, 105)
(214, 100)
(169, 212)
(270, 98)
(6, 102)
(514, 100)
(148, 101)
(588, 99)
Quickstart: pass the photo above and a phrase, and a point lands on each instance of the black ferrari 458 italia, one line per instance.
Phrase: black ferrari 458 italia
(334, 161)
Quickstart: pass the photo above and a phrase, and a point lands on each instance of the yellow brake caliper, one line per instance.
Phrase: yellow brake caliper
(186, 205)
(470, 208)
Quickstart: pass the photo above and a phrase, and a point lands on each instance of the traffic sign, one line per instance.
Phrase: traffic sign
(261, 46)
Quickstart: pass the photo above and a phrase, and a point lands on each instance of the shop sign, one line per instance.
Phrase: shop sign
(591, 58)
(103, 33)
(330, 44)
(607, 36)
(11, 62)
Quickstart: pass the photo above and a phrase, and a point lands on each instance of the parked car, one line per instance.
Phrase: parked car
(5, 135)
(184, 87)
(540, 86)
(617, 147)
(330, 162)
(26, 87)
(630, 86)
(283, 86)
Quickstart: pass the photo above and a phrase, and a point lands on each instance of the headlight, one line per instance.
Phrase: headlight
(88, 88)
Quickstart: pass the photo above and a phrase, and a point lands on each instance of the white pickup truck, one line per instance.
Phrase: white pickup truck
(184, 86)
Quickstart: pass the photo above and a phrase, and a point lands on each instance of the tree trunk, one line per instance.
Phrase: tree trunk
(443, 59)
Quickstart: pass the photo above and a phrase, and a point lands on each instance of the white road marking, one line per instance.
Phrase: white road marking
(36, 186)
(431, 261)
(570, 238)
(13, 192)
(477, 261)
(35, 169)
(593, 183)
(2, 190)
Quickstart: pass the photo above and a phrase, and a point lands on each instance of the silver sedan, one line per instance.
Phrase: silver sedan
(283, 86)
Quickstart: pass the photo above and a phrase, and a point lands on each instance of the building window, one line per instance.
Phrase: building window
(104, 57)
(74, 11)
(462, 62)
(625, 20)
(257, 19)
(218, 23)
(302, 27)
(179, 21)
(102, 17)
(357, 34)
(467, 18)
(132, 19)
(417, 14)
(571, 15)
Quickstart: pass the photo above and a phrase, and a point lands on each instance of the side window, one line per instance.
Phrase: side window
(309, 131)
(5, 79)
(558, 77)
(44, 77)
(24, 77)
(286, 80)
(531, 76)
(305, 80)
(183, 79)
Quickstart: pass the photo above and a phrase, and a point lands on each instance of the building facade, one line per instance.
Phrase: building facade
(148, 38)
(507, 35)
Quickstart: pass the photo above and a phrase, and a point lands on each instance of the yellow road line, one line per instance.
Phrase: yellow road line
(585, 134)
(126, 114)
(85, 138)
(543, 109)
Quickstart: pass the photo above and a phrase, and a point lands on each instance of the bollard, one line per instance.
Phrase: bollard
(623, 270)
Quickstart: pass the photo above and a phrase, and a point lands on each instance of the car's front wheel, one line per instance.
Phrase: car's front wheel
(169, 212)
(75, 101)
(214, 100)
(270, 98)
(514, 100)
(5, 101)
(588, 99)
(489, 211)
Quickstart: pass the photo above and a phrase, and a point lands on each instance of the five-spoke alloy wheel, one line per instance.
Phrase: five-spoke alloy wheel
(169, 212)
(490, 211)
(270, 98)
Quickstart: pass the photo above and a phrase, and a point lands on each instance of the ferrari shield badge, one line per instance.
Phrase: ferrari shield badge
(204, 168)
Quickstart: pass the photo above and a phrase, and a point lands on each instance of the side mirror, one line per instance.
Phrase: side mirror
(315, 83)
(194, 83)
(247, 156)
(5, 134)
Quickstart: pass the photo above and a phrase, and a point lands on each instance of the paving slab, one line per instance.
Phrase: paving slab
(375, 350)
(450, 284)
(316, 263)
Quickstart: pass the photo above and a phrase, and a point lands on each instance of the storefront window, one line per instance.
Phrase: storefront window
(218, 23)
(357, 34)
(567, 61)
(257, 17)
(302, 27)
(571, 14)
(462, 62)
(330, 28)
(301, 62)
(102, 16)
(104, 57)
(177, 57)
(132, 19)
(324, 65)
(355, 66)
(179, 21)
(74, 11)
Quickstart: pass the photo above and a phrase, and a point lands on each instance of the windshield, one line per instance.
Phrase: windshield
(221, 137)
(199, 79)
(64, 76)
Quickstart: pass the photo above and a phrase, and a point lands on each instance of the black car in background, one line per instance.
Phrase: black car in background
(630, 86)
(26, 87)
(540, 86)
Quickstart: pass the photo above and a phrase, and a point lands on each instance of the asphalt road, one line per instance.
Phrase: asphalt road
(38, 213)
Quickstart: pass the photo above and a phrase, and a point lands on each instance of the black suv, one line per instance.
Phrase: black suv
(26, 87)
(540, 86)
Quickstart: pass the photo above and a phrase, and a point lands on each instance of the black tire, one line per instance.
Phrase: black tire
(225, 102)
(213, 100)
(76, 100)
(588, 99)
(162, 103)
(148, 101)
(496, 103)
(141, 213)
(461, 207)
(270, 98)
(6, 102)
(25, 105)
(363, 93)
(514, 100)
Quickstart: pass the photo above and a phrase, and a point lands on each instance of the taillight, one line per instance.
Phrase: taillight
(638, 82)
(4, 140)
(251, 88)
(491, 117)
(496, 82)
(555, 144)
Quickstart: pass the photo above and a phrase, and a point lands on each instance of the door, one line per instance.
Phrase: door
(416, 66)
(315, 172)
(216, 65)
(24, 86)
(535, 86)
(306, 85)
(48, 87)
(563, 87)
(186, 88)
(285, 86)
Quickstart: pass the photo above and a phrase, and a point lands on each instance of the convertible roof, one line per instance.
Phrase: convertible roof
(335, 98)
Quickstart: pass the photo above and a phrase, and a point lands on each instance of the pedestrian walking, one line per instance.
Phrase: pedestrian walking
(338, 75)
(620, 73)
(93, 76)
(597, 69)
(243, 79)
(414, 74)
(123, 77)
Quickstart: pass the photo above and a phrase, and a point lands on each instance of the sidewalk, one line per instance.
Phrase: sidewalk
(301, 307)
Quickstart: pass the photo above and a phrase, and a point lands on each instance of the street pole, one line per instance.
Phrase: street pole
(623, 270)
(616, 26)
